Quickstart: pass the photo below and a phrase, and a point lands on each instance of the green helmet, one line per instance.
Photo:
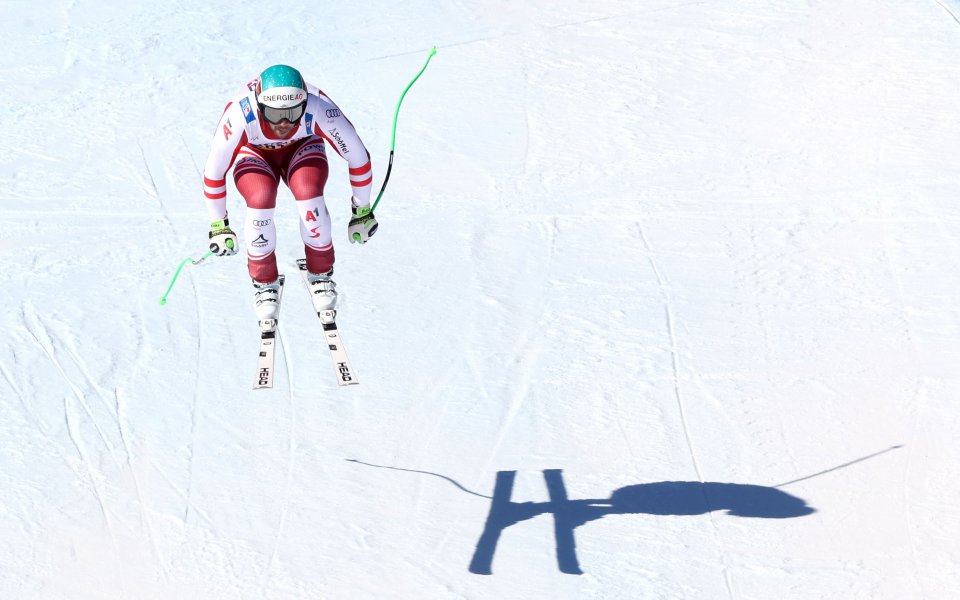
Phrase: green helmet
(281, 94)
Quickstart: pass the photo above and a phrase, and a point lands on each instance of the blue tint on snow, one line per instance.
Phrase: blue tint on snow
(661, 498)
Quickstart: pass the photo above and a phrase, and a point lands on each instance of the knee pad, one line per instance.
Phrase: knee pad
(315, 223)
(260, 233)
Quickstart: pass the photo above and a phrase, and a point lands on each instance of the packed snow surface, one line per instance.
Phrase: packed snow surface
(663, 304)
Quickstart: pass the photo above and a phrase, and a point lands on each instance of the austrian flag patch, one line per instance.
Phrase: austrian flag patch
(247, 110)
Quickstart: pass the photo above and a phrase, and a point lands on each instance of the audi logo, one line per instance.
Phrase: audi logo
(259, 223)
(333, 112)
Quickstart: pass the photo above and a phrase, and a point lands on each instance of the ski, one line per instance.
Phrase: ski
(268, 348)
(341, 364)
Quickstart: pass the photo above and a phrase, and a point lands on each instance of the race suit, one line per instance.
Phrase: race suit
(260, 160)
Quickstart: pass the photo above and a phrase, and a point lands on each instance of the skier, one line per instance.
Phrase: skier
(276, 130)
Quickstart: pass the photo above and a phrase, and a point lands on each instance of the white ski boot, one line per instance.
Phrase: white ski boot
(266, 301)
(323, 290)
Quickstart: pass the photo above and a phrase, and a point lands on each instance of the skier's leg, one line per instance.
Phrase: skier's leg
(257, 183)
(306, 176)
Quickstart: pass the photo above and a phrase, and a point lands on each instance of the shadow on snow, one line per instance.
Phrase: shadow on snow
(663, 498)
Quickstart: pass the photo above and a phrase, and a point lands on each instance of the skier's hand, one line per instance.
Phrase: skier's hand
(223, 241)
(362, 226)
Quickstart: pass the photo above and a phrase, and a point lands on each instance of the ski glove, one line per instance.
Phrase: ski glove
(362, 226)
(223, 241)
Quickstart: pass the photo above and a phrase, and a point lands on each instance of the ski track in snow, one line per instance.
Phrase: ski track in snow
(73, 420)
(24, 403)
(950, 11)
(152, 190)
(189, 506)
(288, 482)
(41, 336)
(674, 349)
(195, 406)
(905, 490)
(524, 342)
(663, 285)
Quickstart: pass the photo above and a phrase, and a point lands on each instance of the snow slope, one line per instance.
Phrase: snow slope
(662, 305)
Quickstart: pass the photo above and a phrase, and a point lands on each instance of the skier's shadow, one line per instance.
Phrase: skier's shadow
(663, 498)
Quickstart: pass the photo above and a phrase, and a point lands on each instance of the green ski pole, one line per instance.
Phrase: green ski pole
(393, 137)
(183, 263)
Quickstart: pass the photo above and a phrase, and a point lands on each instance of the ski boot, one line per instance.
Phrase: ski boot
(323, 292)
(266, 302)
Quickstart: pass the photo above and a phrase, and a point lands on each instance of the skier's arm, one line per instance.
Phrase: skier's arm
(227, 140)
(339, 132)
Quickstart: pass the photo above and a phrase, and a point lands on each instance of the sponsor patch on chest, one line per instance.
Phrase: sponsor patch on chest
(278, 145)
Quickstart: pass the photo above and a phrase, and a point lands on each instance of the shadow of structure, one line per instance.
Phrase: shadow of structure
(662, 498)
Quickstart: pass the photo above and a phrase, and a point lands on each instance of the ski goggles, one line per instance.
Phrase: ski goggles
(275, 115)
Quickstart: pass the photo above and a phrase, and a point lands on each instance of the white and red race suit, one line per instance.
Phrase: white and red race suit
(260, 160)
